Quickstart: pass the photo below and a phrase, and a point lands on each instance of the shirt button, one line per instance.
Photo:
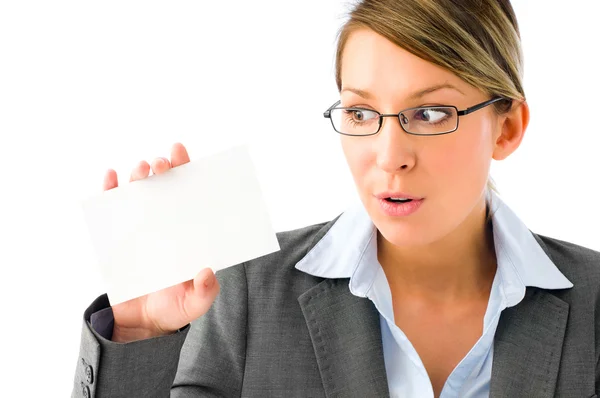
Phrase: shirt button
(89, 374)
(85, 390)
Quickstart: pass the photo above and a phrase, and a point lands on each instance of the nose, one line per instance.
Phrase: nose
(394, 147)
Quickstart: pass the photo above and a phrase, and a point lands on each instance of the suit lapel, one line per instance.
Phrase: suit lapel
(346, 335)
(528, 345)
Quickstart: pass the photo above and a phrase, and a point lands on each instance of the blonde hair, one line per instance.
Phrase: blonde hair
(477, 40)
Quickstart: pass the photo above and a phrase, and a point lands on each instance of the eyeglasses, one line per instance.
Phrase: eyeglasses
(424, 120)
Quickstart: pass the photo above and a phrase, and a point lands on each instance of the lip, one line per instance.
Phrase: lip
(400, 209)
(390, 194)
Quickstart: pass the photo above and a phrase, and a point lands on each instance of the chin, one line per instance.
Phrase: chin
(404, 231)
(404, 235)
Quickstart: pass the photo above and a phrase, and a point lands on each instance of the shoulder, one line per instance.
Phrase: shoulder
(581, 266)
(294, 245)
(573, 260)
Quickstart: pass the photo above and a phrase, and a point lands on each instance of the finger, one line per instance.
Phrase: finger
(205, 279)
(142, 170)
(110, 180)
(179, 155)
(205, 289)
(160, 165)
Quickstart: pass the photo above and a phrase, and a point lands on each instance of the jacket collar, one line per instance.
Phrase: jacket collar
(346, 336)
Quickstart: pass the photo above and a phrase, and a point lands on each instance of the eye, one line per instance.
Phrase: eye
(431, 115)
(360, 115)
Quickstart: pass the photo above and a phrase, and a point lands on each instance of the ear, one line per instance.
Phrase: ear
(511, 130)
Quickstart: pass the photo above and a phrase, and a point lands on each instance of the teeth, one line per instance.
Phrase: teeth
(399, 198)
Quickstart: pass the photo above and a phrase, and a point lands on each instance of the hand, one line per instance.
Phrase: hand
(165, 311)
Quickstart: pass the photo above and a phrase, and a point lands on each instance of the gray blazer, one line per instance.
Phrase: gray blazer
(275, 331)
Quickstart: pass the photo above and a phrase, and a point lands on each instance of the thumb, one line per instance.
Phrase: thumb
(204, 281)
(205, 290)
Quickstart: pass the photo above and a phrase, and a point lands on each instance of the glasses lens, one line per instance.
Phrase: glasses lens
(355, 121)
(430, 120)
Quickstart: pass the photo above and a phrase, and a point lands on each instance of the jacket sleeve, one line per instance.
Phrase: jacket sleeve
(203, 359)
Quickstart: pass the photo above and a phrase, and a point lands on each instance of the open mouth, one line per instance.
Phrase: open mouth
(391, 200)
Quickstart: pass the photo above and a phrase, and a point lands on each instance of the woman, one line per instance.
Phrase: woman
(432, 287)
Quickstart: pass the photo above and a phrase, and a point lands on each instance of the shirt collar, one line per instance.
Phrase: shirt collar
(351, 242)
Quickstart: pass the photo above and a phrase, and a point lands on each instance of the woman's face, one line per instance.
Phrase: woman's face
(449, 171)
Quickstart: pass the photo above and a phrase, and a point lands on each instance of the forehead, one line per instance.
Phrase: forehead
(373, 63)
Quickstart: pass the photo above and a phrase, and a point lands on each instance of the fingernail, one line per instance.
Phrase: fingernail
(209, 282)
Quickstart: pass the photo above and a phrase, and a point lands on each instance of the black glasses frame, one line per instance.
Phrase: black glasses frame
(327, 114)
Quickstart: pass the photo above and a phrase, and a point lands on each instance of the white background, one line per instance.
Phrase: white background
(85, 86)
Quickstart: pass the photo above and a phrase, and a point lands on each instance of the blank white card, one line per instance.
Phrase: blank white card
(161, 231)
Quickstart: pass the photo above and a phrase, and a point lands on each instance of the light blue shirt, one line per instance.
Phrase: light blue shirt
(349, 250)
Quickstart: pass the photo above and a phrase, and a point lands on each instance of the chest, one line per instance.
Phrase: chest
(441, 338)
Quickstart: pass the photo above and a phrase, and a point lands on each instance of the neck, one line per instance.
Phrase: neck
(461, 266)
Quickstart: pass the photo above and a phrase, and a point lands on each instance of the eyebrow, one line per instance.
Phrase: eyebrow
(418, 94)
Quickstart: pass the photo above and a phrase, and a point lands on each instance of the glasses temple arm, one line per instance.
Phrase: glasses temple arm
(327, 113)
(479, 106)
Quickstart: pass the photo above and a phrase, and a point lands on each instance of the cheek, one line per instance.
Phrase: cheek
(463, 158)
(359, 159)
